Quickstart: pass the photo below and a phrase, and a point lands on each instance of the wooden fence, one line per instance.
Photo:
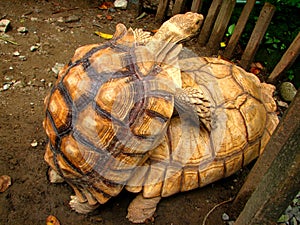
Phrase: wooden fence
(215, 26)
(275, 178)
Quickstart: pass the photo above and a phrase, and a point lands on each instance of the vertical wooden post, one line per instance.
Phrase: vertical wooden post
(178, 6)
(276, 173)
(220, 26)
(239, 28)
(196, 6)
(258, 33)
(161, 10)
(209, 22)
(287, 59)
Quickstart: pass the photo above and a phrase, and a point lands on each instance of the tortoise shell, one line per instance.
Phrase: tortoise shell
(242, 118)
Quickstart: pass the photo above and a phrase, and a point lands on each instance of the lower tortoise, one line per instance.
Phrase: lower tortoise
(242, 117)
(137, 121)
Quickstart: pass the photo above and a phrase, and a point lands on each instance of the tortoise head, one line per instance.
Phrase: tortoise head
(181, 27)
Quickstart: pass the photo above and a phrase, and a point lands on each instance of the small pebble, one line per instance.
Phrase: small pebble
(4, 24)
(282, 104)
(19, 84)
(72, 19)
(34, 143)
(16, 53)
(225, 217)
(6, 86)
(34, 48)
(287, 91)
(34, 19)
(122, 4)
(23, 57)
(22, 30)
(60, 19)
(112, 10)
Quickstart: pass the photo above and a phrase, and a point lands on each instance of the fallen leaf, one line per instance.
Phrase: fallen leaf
(109, 17)
(222, 44)
(52, 220)
(5, 182)
(255, 70)
(104, 35)
(154, 31)
(106, 5)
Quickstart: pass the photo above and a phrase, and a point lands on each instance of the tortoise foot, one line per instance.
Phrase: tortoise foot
(142, 209)
(81, 207)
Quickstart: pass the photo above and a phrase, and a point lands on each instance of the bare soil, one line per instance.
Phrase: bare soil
(31, 198)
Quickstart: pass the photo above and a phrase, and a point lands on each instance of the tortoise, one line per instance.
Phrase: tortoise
(192, 155)
(111, 105)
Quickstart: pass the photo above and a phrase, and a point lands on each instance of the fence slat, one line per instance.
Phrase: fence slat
(287, 59)
(161, 10)
(288, 123)
(279, 184)
(178, 6)
(209, 21)
(239, 28)
(196, 5)
(220, 26)
(258, 33)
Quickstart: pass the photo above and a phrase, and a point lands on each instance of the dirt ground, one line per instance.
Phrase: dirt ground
(28, 77)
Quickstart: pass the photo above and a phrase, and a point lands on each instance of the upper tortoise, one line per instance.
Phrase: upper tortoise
(122, 114)
(111, 105)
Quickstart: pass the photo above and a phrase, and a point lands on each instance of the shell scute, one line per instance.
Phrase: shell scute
(255, 116)
(60, 110)
(190, 179)
(77, 83)
(230, 135)
(172, 181)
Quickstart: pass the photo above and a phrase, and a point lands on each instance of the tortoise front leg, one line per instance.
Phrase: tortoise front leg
(142, 209)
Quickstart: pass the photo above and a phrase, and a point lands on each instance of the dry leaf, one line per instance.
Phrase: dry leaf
(256, 68)
(106, 5)
(5, 182)
(104, 35)
(222, 44)
(52, 220)
(109, 17)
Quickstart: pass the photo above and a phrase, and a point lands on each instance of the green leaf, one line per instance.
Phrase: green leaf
(291, 77)
(276, 40)
(269, 41)
(231, 29)
(283, 218)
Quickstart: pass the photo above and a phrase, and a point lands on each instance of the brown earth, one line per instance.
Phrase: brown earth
(31, 198)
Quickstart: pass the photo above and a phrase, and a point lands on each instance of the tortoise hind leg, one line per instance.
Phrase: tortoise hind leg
(141, 209)
(81, 207)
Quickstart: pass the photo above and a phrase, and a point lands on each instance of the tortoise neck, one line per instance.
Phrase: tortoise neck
(164, 41)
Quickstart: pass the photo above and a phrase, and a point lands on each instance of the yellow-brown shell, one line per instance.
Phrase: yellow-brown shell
(243, 119)
(104, 113)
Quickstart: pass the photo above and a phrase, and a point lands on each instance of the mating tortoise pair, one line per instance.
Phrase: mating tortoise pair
(129, 114)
